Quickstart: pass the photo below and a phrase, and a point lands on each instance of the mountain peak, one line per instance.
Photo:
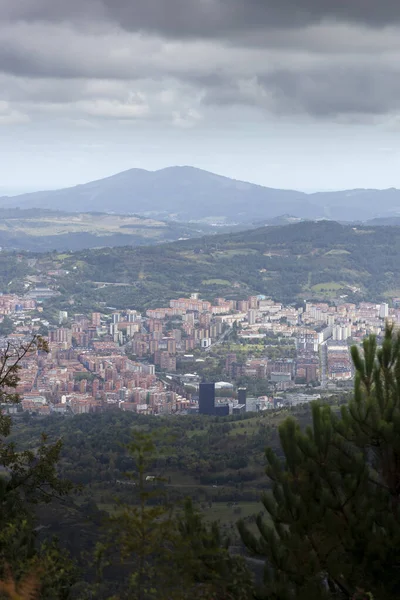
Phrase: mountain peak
(187, 193)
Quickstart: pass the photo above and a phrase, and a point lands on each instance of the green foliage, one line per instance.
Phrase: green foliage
(85, 376)
(288, 263)
(28, 478)
(167, 553)
(282, 262)
(142, 532)
(6, 327)
(57, 572)
(206, 567)
(334, 512)
(187, 456)
(13, 269)
(204, 449)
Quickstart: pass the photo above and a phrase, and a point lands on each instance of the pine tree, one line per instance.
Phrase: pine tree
(333, 511)
(141, 532)
(205, 567)
(168, 550)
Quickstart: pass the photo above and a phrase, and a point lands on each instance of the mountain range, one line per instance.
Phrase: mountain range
(191, 194)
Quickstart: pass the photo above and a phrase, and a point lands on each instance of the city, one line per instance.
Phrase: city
(199, 300)
(156, 363)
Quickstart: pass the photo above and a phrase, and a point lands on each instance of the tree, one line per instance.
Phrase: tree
(168, 552)
(234, 333)
(142, 531)
(205, 566)
(28, 478)
(43, 330)
(6, 326)
(333, 527)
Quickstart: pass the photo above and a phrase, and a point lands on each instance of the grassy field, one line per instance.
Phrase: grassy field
(395, 293)
(81, 223)
(229, 513)
(250, 426)
(62, 256)
(215, 282)
(328, 287)
(235, 252)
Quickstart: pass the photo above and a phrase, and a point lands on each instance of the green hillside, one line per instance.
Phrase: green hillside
(307, 260)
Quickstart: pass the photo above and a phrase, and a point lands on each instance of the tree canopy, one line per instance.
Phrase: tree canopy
(333, 513)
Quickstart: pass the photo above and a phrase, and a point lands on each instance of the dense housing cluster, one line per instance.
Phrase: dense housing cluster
(151, 363)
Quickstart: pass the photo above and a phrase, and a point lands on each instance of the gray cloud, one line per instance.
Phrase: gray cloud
(10, 116)
(181, 60)
(205, 18)
(319, 92)
(223, 17)
(341, 90)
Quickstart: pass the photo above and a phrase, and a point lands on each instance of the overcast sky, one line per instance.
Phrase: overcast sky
(298, 94)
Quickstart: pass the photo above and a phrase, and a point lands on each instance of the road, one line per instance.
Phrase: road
(220, 340)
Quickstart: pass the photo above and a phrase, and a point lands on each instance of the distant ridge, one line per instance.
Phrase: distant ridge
(190, 194)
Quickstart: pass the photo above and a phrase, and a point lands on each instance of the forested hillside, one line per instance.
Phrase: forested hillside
(218, 463)
(309, 260)
(290, 263)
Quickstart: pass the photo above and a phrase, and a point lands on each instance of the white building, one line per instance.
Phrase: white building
(384, 310)
(252, 316)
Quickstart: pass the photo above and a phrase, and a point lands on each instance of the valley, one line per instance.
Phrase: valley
(43, 230)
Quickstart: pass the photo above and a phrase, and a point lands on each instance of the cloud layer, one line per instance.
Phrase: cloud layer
(182, 61)
(204, 18)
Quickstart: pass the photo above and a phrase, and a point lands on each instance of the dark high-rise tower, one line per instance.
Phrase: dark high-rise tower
(206, 398)
(242, 395)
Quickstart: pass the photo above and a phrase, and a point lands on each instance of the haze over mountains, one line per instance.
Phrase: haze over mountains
(191, 194)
